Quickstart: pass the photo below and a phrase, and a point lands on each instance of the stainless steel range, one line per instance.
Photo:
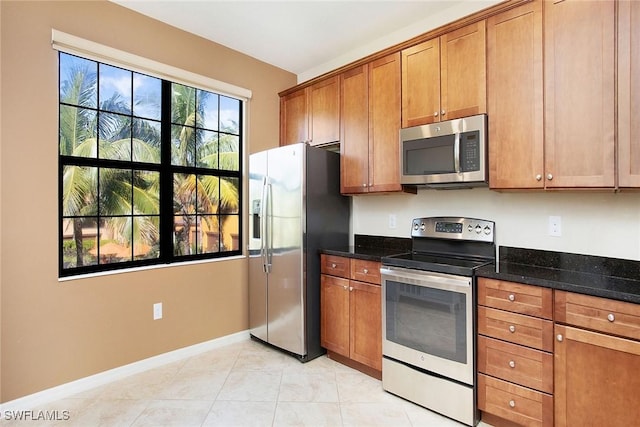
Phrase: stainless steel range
(428, 309)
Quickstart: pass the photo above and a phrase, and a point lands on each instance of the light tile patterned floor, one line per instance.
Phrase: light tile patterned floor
(244, 384)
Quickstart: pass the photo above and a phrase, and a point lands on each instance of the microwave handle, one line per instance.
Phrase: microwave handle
(456, 152)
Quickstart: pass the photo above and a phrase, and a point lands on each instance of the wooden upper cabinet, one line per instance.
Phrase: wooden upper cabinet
(354, 131)
(370, 125)
(384, 124)
(311, 114)
(294, 124)
(515, 101)
(628, 94)
(324, 111)
(463, 65)
(580, 94)
(421, 83)
(445, 78)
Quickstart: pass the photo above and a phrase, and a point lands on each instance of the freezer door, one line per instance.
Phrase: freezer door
(257, 246)
(285, 206)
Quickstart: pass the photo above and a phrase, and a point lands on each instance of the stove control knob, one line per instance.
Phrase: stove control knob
(487, 230)
(416, 226)
(478, 229)
(470, 228)
(423, 227)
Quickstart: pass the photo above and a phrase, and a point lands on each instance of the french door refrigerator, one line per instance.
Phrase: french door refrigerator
(295, 209)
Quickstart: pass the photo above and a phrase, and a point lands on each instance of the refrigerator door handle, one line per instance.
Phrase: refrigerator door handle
(268, 231)
(263, 225)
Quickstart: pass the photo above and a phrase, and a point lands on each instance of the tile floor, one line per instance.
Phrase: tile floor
(243, 384)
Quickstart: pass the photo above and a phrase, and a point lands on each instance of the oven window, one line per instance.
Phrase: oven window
(431, 321)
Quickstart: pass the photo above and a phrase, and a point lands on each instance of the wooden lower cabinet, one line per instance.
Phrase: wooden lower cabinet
(351, 313)
(521, 405)
(515, 359)
(597, 381)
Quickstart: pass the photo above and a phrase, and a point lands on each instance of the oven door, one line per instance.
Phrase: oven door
(427, 321)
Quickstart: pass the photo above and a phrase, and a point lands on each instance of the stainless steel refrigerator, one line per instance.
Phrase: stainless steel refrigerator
(295, 209)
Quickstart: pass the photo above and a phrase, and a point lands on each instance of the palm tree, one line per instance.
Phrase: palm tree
(198, 194)
(79, 130)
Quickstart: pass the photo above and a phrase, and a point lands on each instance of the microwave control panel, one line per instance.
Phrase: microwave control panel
(469, 151)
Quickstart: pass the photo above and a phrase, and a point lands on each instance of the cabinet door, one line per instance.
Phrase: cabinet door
(629, 94)
(366, 324)
(596, 380)
(324, 111)
(463, 73)
(515, 103)
(579, 93)
(421, 83)
(334, 314)
(384, 124)
(354, 131)
(294, 124)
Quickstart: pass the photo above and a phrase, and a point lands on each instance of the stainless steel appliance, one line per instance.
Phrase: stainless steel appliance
(448, 154)
(295, 209)
(428, 312)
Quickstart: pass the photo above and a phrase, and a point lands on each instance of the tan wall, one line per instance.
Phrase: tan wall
(55, 332)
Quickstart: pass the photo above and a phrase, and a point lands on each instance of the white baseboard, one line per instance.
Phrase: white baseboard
(63, 391)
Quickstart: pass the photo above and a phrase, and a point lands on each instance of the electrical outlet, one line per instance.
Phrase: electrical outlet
(157, 311)
(392, 220)
(555, 226)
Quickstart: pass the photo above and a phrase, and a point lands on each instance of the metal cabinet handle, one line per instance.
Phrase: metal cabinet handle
(512, 403)
(364, 185)
(333, 266)
(538, 177)
(512, 297)
(512, 328)
(443, 112)
(512, 364)
(559, 337)
(350, 288)
(365, 271)
(549, 176)
(611, 317)
(435, 114)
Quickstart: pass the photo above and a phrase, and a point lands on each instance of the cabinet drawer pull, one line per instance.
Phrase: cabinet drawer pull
(512, 328)
(549, 176)
(538, 177)
(345, 287)
(435, 114)
(350, 288)
(443, 112)
(512, 297)
(365, 271)
(559, 337)
(611, 317)
(512, 364)
(512, 403)
(333, 266)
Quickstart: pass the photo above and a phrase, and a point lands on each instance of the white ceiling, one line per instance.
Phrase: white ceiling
(307, 38)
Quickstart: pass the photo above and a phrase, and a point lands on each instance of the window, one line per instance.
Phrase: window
(150, 169)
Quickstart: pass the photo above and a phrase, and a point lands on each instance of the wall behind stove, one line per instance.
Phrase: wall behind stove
(592, 223)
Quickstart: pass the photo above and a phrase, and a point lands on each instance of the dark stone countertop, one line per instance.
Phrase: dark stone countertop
(371, 248)
(612, 278)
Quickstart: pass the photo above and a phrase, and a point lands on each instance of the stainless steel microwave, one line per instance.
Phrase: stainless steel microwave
(448, 154)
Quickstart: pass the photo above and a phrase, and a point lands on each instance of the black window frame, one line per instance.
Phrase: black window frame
(166, 171)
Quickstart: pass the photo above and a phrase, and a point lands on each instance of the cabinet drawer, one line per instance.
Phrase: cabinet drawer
(514, 403)
(365, 271)
(334, 265)
(599, 314)
(516, 328)
(515, 363)
(516, 297)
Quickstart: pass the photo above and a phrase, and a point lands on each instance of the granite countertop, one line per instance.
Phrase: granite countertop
(612, 278)
(371, 248)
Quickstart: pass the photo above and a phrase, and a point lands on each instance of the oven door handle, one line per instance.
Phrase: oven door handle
(420, 278)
